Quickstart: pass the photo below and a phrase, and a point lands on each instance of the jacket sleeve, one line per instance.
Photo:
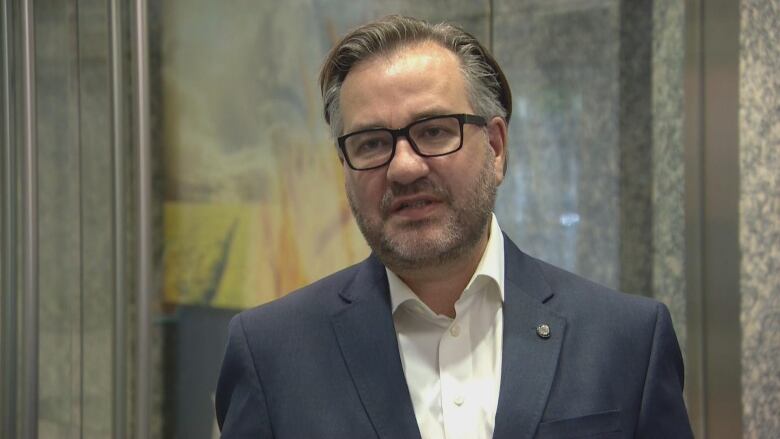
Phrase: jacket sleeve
(240, 403)
(663, 413)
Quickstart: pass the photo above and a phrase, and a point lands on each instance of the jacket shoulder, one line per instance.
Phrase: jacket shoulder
(597, 309)
(310, 303)
(579, 291)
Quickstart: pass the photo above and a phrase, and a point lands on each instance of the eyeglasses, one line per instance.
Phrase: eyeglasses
(430, 137)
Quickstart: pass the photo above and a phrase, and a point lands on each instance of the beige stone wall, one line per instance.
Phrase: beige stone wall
(759, 205)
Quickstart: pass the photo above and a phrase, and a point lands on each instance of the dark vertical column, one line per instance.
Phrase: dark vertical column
(118, 152)
(635, 140)
(720, 244)
(712, 214)
(694, 234)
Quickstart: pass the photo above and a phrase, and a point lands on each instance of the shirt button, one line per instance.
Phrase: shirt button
(458, 400)
(455, 330)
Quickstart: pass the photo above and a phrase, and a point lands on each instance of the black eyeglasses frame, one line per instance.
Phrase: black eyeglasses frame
(396, 133)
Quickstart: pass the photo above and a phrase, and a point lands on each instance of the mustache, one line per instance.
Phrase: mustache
(420, 186)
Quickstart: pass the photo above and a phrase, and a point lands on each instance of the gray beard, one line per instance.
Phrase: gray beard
(461, 230)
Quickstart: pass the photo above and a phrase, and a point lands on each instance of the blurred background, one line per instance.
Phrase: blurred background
(165, 164)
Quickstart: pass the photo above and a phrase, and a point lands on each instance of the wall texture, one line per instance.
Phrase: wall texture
(668, 165)
(759, 129)
(561, 198)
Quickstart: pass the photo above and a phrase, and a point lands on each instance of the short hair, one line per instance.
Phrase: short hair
(488, 89)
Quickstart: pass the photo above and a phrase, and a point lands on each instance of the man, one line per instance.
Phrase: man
(447, 330)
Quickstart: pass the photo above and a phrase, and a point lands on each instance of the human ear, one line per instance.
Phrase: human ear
(497, 131)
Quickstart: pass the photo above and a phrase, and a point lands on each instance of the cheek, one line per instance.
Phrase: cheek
(460, 176)
(365, 190)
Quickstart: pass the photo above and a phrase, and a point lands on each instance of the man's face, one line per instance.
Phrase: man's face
(417, 212)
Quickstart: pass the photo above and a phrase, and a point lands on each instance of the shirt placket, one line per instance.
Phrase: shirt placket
(456, 371)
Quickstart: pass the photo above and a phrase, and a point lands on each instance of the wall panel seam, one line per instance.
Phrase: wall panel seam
(143, 287)
(30, 177)
(8, 290)
(119, 358)
(80, 183)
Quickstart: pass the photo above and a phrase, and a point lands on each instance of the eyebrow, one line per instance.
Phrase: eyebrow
(431, 112)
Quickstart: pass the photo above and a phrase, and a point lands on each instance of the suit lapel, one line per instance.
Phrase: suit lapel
(365, 332)
(529, 361)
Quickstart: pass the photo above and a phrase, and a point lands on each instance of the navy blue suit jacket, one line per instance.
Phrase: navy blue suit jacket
(323, 362)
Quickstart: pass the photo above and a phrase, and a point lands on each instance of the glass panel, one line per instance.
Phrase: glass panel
(97, 217)
(560, 199)
(75, 219)
(60, 312)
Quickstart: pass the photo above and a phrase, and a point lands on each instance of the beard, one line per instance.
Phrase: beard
(436, 241)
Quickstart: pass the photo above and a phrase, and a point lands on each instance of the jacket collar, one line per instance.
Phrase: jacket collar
(529, 361)
(366, 335)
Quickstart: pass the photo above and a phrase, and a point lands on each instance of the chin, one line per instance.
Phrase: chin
(418, 234)
(419, 247)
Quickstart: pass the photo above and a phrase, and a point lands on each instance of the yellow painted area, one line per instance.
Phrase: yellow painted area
(241, 255)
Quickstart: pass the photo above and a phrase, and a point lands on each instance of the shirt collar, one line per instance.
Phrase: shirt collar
(490, 267)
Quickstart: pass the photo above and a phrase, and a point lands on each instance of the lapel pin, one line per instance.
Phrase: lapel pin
(543, 330)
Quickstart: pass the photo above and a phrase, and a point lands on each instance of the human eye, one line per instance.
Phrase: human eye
(436, 130)
(368, 144)
(432, 132)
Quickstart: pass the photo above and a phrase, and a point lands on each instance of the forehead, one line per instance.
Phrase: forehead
(394, 88)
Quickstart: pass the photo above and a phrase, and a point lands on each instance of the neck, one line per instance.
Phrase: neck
(440, 287)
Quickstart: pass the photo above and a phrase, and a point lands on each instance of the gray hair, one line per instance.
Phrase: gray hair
(488, 89)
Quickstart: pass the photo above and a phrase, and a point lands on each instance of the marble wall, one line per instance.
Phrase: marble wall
(560, 200)
(668, 164)
(635, 146)
(596, 172)
(759, 236)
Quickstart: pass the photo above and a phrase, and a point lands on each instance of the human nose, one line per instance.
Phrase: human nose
(406, 166)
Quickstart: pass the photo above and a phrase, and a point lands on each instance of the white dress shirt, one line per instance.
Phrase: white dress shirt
(453, 366)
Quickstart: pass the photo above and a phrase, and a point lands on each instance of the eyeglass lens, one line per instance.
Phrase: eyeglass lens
(432, 137)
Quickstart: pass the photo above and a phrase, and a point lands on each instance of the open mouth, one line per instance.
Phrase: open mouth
(415, 208)
(413, 204)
